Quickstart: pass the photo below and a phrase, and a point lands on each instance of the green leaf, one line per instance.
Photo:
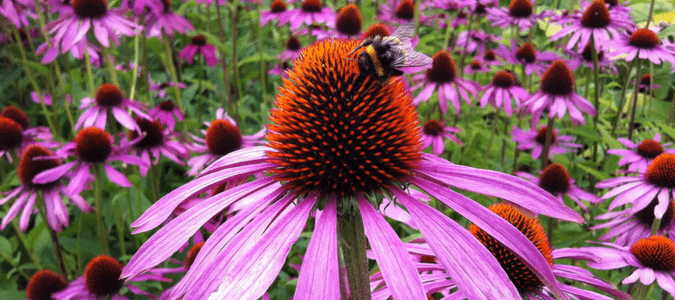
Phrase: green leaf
(595, 173)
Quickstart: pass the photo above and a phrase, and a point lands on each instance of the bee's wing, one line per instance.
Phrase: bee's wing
(411, 59)
(404, 33)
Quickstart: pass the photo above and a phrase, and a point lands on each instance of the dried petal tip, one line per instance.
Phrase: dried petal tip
(33, 163)
(433, 127)
(192, 254)
(558, 79)
(93, 145)
(649, 148)
(109, 95)
(656, 252)
(17, 115)
(520, 8)
(293, 44)
(596, 15)
(661, 172)
(526, 53)
(378, 29)
(644, 38)
(311, 6)
(44, 283)
(349, 20)
(555, 179)
(102, 276)
(503, 79)
(278, 6)
(10, 134)
(91, 9)
(443, 68)
(223, 137)
(406, 10)
(199, 40)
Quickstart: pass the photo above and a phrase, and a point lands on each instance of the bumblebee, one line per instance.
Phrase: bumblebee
(382, 57)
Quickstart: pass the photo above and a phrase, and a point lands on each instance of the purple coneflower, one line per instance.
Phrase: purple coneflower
(442, 77)
(160, 87)
(653, 259)
(640, 190)
(586, 58)
(17, 11)
(280, 69)
(16, 133)
(475, 40)
(331, 147)
(293, 49)
(644, 44)
(92, 147)
(198, 45)
(310, 12)
(109, 97)
(647, 83)
(43, 284)
(628, 227)
(155, 142)
(501, 90)
(167, 21)
(34, 160)
(556, 94)
(349, 21)
(490, 58)
(433, 133)
(397, 11)
(527, 57)
(638, 157)
(556, 180)
(519, 14)
(167, 113)
(277, 11)
(476, 66)
(46, 98)
(534, 140)
(222, 137)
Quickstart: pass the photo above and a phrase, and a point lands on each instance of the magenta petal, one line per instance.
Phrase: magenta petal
(116, 176)
(125, 119)
(396, 265)
(53, 174)
(474, 269)
(320, 265)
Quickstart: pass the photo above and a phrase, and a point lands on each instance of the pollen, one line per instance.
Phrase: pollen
(587, 54)
(661, 172)
(558, 79)
(656, 252)
(338, 133)
(443, 68)
(526, 53)
(644, 38)
(293, 44)
(646, 215)
(406, 10)
(32, 162)
(10, 134)
(649, 149)
(44, 283)
(90, 9)
(101, 276)
(223, 137)
(278, 6)
(541, 136)
(93, 145)
(109, 95)
(433, 127)
(503, 79)
(311, 6)
(596, 15)
(555, 179)
(167, 105)
(520, 8)
(378, 29)
(349, 20)
(17, 115)
(153, 131)
(521, 276)
(489, 55)
(198, 40)
(192, 254)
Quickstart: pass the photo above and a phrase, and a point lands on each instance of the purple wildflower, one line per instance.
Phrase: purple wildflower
(109, 97)
(17, 11)
(198, 45)
(293, 49)
(310, 12)
(644, 44)
(433, 133)
(166, 113)
(161, 87)
(556, 180)
(519, 13)
(16, 133)
(638, 157)
(527, 57)
(277, 11)
(475, 40)
(166, 21)
(154, 142)
(501, 90)
(534, 140)
(628, 227)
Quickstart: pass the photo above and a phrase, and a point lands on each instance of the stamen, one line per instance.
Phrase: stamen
(520, 8)
(433, 127)
(199, 40)
(32, 162)
(90, 9)
(278, 6)
(526, 53)
(503, 79)
(650, 149)
(541, 136)
(154, 134)
(293, 44)
(11, 134)
(223, 137)
(311, 6)
(378, 29)
(192, 254)
(44, 284)
(93, 145)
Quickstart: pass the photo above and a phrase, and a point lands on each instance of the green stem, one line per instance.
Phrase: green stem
(353, 238)
(623, 97)
(226, 72)
(172, 69)
(90, 74)
(651, 13)
(102, 230)
(119, 223)
(635, 98)
(235, 60)
(40, 203)
(155, 182)
(134, 73)
(22, 240)
(655, 226)
(596, 74)
(111, 67)
(549, 230)
(261, 52)
(492, 136)
(16, 266)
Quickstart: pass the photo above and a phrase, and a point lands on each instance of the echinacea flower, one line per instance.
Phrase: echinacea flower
(277, 11)
(196, 46)
(43, 284)
(476, 66)
(72, 27)
(349, 21)
(628, 227)
(653, 259)
(657, 181)
(16, 133)
(586, 58)
(160, 87)
(17, 11)
(310, 12)
(154, 142)
(165, 20)
(442, 77)
(475, 40)
(109, 97)
(531, 60)
(639, 156)
(101, 280)
(501, 90)
(293, 49)
(556, 180)
(280, 69)
(167, 113)
(92, 147)
(519, 14)
(557, 95)
(34, 160)
(647, 83)
(433, 133)
(222, 137)
(397, 11)
(331, 146)
(643, 44)
(534, 140)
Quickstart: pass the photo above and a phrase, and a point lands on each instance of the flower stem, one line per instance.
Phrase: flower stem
(623, 97)
(102, 230)
(111, 67)
(495, 120)
(134, 73)
(119, 223)
(172, 69)
(547, 143)
(155, 182)
(90, 74)
(235, 60)
(635, 99)
(549, 229)
(651, 13)
(353, 238)
(40, 203)
(261, 52)
(226, 71)
(22, 240)
(596, 95)
(655, 226)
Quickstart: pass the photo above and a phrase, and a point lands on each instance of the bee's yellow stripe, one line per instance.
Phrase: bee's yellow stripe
(376, 61)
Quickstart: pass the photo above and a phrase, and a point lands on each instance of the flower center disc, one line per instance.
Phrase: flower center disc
(378, 29)
(192, 254)
(650, 149)
(587, 54)
(596, 15)
(93, 145)
(612, 3)
(223, 137)
(31, 164)
(278, 6)
(338, 133)
(646, 79)
(44, 283)
(349, 20)
(17, 115)
(505, 80)
(311, 6)
(646, 215)
(102, 276)
(433, 127)
(475, 65)
(489, 56)
(443, 68)
(166, 105)
(526, 53)
(406, 10)
(10, 134)
(541, 136)
(656, 252)
(154, 135)
(293, 44)
(109, 95)
(555, 179)
(520, 8)
(661, 172)
(91, 9)
(521, 276)
(558, 79)
(199, 40)
(644, 38)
